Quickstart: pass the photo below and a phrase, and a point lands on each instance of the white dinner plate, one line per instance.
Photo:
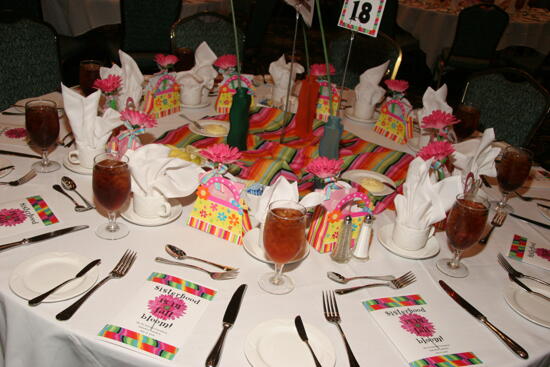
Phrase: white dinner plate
(130, 215)
(356, 175)
(196, 106)
(349, 114)
(275, 343)
(205, 124)
(385, 237)
(253, 245)
(533, 308)
(41, 273)
(4, 162)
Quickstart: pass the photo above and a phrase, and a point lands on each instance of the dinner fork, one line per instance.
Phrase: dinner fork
(20, 181)
(528, 198)
(401, 282)
(497, 221)
(330, 309)
(120, 270)
(506, 265)
(217, 275)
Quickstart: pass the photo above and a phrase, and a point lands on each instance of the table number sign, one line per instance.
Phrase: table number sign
(25, 215)
(161, 316)
(362, 16)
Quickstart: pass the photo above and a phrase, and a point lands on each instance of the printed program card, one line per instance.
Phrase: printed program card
(161, 316)
(25, 215)
(423, 331)
(530, 252)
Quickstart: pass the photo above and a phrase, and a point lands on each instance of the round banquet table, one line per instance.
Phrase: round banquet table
(434, 26)
(31, 336)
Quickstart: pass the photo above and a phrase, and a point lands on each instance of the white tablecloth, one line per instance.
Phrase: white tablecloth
(435, 29)
(75, 17)
(33, 337)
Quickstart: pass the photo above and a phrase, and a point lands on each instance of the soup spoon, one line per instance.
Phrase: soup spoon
(342, 279)
(69, 184)
(179, 254)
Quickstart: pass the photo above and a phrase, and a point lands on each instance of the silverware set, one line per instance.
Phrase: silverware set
(69, 185)
(516, 274)
(401, 282)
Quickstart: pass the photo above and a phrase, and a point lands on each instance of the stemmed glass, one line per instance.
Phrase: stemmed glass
(512, 171)
(111, 184)
(465, 224)
(42, 124)
(284, 238)
(469, 116)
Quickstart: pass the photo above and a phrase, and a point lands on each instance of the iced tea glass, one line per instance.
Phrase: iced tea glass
(465, 225)
(284, 235)
(42, 124)
(88, 73)
(513, 168)
(111, 184)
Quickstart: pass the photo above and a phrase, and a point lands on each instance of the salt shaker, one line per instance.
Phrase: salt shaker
(361, 250)
(341, 253)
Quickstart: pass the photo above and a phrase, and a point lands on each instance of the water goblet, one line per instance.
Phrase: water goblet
(469, 121)
(284, 237)
(88, 73)
(111, 185)
(42, 124)
(513, 168)
(465, 224)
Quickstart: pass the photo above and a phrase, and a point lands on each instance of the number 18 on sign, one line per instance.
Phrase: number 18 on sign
(362, 16)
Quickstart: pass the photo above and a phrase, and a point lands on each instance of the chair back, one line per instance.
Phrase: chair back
(510, 101)
(29, 66)
(478, 31)
(146, 24)
(366, 52)
(214, 28)
(31, 9)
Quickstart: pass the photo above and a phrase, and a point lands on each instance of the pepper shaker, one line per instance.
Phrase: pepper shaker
(362, 246)
(341, 253)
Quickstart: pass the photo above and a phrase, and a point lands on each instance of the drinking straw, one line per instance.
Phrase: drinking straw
(235, 34)
(325, 52)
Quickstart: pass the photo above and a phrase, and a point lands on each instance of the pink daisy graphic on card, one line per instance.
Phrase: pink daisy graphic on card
(544, 253)
(417, 325)
(166, 307)
(16, 133)
(11, 217)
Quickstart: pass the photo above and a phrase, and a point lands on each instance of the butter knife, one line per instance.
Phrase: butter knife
(303, 335)
(516, 348)
(529, 290)
(37, 300)
(42, 237)
(8, 152)
(228, 320)
(532, 221)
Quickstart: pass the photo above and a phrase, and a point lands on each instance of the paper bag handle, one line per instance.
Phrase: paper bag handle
(226, 183)
(353, 196)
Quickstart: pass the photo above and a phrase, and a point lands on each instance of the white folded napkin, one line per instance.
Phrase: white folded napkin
(280, 72)
(89, 129)
(284, 190)
(132, 79)
(191, 88)
(203, 72)
(476, 156)
(153, 171)
(423, 201)
(368, 93)
(434, 100)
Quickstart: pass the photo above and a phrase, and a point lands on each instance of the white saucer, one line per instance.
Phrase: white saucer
(533, 308)
(41, 273)
(372, 120)
(385, 237)
(205, 123)
(4, 162)
(132, 217)
(253, 244)
(196, 106)
(356, 175)
(275, 343)
(77, 168)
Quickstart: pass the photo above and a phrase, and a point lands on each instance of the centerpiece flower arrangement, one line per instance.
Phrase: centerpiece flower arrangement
(326, 170)
(320, 71)
(134, 124)
(439, 150)
(109, 87)
(219, 157)
(226, 64)
(166, 62)
(397, 88)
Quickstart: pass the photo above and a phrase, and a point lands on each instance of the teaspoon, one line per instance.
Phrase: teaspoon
(342, 279)
(77, 206)
(179, 254)
(69, 184)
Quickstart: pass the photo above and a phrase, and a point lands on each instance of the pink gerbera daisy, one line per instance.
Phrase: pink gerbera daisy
(11, 217)
(138, 118)
(321, 69)
(417, 325)
(108, 85)
(438, 120)
(165, 61)
(221, 153)
(437, 150)
(226, 61)
(16, 133)
(324, 167)
(544, 253)
(398, 86)
(167, 307)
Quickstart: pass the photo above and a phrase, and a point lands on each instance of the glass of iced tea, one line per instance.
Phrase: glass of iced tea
(42, 124)
(465, 224)
(111, 184)
(284, 235)
(186, 59)
(513, 168)
(469, 116)
(88, 73)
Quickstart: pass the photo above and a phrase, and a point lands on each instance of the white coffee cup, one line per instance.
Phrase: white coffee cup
(411, 239)
(152, 206)
(363, 110)
(84, 156)
(191, 95)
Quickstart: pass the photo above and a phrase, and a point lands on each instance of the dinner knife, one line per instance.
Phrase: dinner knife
(44, 236)
(524, 286)
(303, 335)
(529, 220)
(8, 152)
(228, 321)
(5, 168)
(38, 299)
(543, 206)
(478, 315)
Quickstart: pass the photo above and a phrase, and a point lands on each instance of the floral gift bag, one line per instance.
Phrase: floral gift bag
(395, 121)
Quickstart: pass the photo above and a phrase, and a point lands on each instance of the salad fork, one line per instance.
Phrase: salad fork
(506, 265)
(498, 221)
(332, 315)
(120, 270)
(401, 282)
(20, 181)
(217, 275)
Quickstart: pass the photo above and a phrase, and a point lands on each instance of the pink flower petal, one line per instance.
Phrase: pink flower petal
(397, 85)
(438, 120)
(221, 153)
(226, 61)
(324, 167)
(437, 150)
(321, 69)
(138, 118)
